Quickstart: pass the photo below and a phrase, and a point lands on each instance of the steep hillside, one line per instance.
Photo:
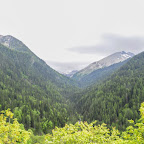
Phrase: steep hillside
(105, 62)
(100, 75)
(13, 43)
(33, 63)
(100, 70)
(118, 98)
(35, 92)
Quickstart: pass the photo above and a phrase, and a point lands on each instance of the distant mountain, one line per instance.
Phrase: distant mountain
(101, 69)
(100, 75)
(70, 74)
(66, 67)
(105, 62)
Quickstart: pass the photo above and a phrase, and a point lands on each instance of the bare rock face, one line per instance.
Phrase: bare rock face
(105, 62)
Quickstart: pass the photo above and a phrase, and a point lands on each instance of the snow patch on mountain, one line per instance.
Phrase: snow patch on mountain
(105, 62)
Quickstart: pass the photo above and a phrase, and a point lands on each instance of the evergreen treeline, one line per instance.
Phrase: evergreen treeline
(41, 98)
(118, 98)
(79, 133)
(33, 91)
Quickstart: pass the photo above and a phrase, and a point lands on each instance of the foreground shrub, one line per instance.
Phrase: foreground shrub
(83, 133)
(11, 131)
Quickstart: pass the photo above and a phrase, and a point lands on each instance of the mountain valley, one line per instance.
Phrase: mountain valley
(110, 90)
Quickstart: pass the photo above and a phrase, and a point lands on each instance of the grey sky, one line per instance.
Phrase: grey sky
(113, 43)
(66, 67)
(109, 44)
(51, 27)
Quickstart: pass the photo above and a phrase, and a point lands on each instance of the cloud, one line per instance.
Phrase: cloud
(113, 43)
(66, 67)
(109, 44)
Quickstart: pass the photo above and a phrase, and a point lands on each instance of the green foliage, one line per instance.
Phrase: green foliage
(117, 99)
(12, 132)
(79, 133)
(32, 90)
(36, 139)
(42, 99)
(83, 133)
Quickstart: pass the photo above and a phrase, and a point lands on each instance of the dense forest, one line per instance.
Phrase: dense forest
(41, 99)
(80, 132)
(34, 92)
(118, 98)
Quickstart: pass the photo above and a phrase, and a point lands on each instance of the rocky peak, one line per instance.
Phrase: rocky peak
(105, 62)
(13, 43)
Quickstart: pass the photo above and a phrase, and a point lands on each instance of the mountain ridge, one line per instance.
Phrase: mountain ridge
(14, 43)
(100, 70)
(105, 62)
(117, 99)
(35, 92)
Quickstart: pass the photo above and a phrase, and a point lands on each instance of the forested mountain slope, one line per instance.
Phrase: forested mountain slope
(32, 63)
(99, 75)
(41, 98)
(35, 92)
(13, 43)
(101, 69)
(118, 98)
(105, 62)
